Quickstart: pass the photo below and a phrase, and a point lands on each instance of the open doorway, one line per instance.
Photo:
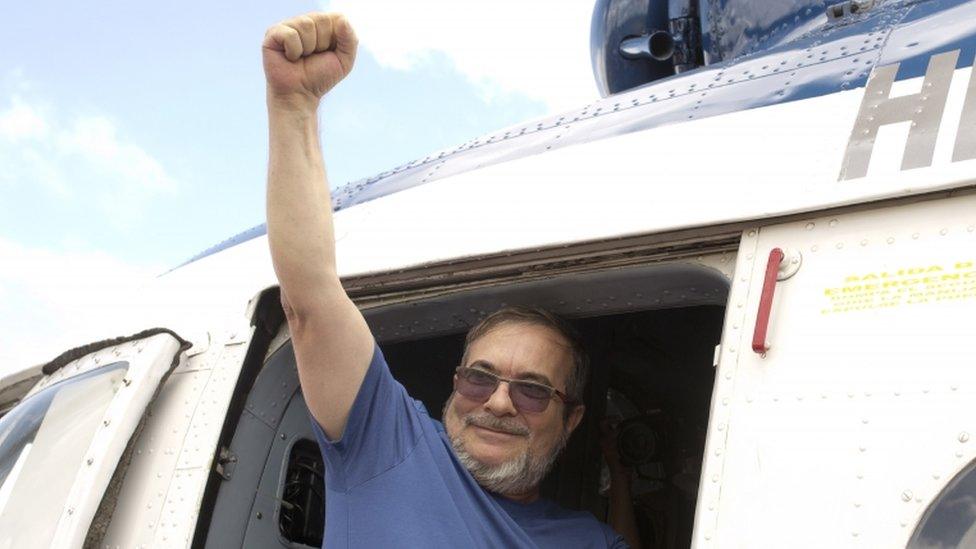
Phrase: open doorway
(650, 332)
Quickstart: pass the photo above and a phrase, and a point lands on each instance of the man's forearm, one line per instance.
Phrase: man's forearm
(299, 207)
(622, 518)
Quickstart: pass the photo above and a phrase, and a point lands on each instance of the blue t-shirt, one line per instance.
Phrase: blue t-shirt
(392, 480)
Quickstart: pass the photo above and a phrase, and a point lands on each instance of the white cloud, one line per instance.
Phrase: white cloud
(79, 157)
(538, 48)
(52, 300)
(22, 122)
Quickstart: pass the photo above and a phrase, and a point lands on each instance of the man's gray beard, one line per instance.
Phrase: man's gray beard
(518, 475)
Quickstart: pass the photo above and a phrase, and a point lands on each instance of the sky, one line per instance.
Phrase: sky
(133, 135)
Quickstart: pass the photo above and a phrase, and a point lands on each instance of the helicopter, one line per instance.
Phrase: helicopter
(765, 231)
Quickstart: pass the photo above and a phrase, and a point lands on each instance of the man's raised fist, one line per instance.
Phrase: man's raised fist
(304, 57)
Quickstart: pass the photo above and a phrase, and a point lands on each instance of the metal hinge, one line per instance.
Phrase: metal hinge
(686, 32)
(843, 10)
(226, 462)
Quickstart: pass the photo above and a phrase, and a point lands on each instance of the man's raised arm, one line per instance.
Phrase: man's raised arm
(304, 58)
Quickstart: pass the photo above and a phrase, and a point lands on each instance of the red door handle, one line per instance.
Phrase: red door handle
(766, 301)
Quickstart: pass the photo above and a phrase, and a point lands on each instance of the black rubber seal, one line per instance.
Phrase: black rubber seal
(78, 352)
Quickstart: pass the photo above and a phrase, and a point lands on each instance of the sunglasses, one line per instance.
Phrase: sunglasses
(527, 396)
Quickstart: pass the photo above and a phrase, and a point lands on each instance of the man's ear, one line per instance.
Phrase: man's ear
(575, 416)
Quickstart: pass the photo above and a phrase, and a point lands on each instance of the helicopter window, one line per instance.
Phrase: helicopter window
(43, 441)
(301, 516)
(951, 519)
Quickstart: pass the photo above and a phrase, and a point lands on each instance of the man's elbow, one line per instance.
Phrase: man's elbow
(312, 305)
(292, 316)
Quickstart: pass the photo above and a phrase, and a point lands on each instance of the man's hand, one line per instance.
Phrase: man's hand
(306, 56)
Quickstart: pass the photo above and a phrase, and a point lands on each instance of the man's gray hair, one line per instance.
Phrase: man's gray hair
(576, 381)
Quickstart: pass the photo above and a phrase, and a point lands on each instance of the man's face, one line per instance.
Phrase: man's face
(505, 449)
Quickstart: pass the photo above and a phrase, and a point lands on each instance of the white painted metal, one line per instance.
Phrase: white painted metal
(775, 160)
(709, 490)
(149, 360)
(174, 453)
(860, 411)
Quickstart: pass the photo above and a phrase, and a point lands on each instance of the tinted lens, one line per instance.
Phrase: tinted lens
(475, 384)
(529, 397)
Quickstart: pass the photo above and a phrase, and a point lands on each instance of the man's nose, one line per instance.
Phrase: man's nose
(500, 402)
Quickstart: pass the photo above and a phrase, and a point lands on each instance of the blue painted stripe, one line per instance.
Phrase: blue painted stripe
(239, 238)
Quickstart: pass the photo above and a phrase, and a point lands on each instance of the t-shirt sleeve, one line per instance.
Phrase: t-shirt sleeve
(384, 426)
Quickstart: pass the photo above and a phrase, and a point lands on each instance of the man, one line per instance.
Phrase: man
(395, 477)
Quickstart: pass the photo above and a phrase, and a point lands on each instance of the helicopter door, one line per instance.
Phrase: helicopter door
(60, 446)
(846, 386)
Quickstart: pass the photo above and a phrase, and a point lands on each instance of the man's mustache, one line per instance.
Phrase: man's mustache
(489, 421)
